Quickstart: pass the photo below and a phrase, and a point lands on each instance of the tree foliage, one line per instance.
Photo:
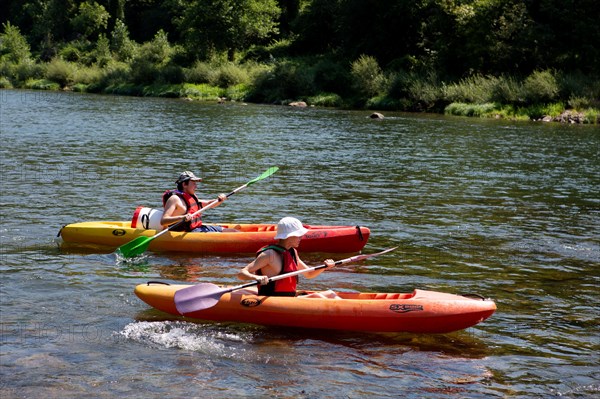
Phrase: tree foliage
(13, 45)
(412, 55)
(227, 25)
(90, 20)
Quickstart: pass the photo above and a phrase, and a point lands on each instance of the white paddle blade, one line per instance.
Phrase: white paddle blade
(198, 297)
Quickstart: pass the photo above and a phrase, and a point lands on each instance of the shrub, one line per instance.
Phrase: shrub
(476, 110)
(23, 71)
(366, 76)
(579, 103)
(151, 58)
(330, 76)
(115, 73)
(143, 71)
(535, 111)
(201, 91)
(326, 100)
(573, 85)
(580, 90)
(201, 72)
(592, 116)
(41, 84)
(540, 87)
(5, 83)
(387, 103)
(237, 92)
(554, 109)
(162, 90)
(230, 75)
(60, 71)
(415, 91)
(88, 75)
(507, 91)
(476, 89)
(254, 70)
(288, 80)
(425, 91)
(70, 53)
(171, 74)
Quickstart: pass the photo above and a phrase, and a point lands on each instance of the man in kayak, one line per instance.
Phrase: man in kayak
(181, 203)
(281, 258)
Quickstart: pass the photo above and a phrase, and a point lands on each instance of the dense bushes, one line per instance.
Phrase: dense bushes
(119, 65)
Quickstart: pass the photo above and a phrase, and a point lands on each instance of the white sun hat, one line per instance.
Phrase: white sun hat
(289, 227)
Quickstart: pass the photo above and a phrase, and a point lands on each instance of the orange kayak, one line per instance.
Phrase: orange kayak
(249, 239)
(417, 312)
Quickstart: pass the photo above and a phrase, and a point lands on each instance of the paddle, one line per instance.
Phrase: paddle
(206, 295)
(139, 245)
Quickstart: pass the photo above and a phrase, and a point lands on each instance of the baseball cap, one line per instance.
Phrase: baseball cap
(187, 175)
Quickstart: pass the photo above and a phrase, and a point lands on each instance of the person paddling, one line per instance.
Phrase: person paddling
(181, 203)
(281, 258)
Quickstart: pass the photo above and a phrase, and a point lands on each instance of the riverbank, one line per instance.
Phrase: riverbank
(555, 112)
(173, 61)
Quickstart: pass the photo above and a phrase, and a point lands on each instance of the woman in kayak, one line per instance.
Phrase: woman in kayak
(281, 258)
(181, 203)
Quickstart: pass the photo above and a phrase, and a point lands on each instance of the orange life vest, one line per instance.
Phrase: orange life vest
(192, 205)
(285, 286)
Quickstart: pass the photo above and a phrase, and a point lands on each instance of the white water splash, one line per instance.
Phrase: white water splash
(188, 336)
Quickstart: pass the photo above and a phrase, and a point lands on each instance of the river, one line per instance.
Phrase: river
(508, 210)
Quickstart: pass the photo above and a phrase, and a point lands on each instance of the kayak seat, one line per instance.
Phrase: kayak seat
(386, 296)
(267, 228)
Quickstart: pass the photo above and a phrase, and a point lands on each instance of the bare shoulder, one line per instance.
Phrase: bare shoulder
(267, 257)
(173, 200)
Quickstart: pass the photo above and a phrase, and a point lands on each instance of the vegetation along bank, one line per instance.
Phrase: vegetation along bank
(526, 60)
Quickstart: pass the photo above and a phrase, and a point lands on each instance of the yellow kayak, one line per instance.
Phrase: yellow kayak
(249, 238)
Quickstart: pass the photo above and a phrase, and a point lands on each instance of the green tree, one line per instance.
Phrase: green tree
(120, 43)
(48, 23)
(13, 45)
(91, 19)
(227, 25)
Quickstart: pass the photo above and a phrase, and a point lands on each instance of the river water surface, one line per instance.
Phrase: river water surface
(507, 210)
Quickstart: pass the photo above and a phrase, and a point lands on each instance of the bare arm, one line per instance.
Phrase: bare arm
(263, 263)
(174, 211)
(315, 273)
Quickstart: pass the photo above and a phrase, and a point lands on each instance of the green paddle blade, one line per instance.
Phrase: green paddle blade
(265, 174)
(135, 247)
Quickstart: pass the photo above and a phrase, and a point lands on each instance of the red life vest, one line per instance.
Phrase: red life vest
(285, 286)
(192, 205)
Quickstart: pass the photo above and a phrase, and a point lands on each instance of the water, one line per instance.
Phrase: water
(507, 210)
